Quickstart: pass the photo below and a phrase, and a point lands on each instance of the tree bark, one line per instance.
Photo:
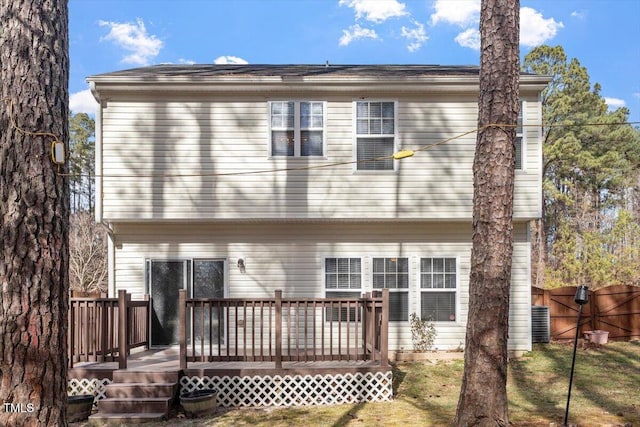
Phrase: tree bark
(34, 213)
(483, 397)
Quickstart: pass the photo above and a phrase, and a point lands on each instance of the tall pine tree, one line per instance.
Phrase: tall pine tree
(483, 397)
(34, 209)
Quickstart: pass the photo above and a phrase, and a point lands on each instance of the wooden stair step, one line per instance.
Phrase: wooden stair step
(116, 405)
(102, 418)
(130, 376)
(141, 390)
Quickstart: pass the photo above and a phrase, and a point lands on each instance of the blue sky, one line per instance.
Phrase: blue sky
(109, 35)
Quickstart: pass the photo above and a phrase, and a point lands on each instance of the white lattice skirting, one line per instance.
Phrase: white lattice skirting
(296, 390)
(94, 386)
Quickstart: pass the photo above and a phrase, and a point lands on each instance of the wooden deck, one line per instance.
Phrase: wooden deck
(253, 352)
(167, 360)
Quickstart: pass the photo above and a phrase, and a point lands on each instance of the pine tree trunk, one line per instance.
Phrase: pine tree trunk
(34, 213)
(483, 397)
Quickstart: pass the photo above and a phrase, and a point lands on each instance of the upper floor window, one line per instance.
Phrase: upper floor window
(297, 128)
(519, 137)
(375, 135)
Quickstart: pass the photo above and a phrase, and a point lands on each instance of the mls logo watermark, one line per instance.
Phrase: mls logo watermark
(19, 408)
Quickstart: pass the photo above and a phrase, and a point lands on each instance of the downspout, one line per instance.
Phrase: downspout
(111, 247)
(111, 260)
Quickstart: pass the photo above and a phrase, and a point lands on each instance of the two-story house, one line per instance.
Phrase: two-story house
(236, 180)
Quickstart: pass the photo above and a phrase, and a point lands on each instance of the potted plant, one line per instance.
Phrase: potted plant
(199, 402)
(79, 407)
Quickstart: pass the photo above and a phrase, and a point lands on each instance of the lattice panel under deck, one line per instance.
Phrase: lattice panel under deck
(294, 390)
(94, 386)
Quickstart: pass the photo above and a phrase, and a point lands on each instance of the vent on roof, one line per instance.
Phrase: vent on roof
(540, 324)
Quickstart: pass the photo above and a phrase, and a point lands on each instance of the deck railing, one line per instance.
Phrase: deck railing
(102, 329)
(284, 329)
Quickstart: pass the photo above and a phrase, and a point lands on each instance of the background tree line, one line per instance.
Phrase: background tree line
(87, 240)
(590, 230)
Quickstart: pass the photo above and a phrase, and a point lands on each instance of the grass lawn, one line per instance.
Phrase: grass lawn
(606, 392)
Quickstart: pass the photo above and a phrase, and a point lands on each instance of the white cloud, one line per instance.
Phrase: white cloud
(356, 32)
(186, 61)
(416, 36)
(469, 38)
(579, 14)
(614, 103)
(535, 29)
(376, 10)
(461, 12)
(133, 37)
(636, 95)
(229, 60)
(83, 102)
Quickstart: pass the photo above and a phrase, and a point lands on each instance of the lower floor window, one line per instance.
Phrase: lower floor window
(343, 279)
(393, 274)
(438, 278)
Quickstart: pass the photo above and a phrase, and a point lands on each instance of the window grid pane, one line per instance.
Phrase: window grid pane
(343, 273)
(289, 139)
(392, 273)
(375, 118)
(438, 273)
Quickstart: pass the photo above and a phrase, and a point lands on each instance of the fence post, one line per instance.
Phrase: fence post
(384, 329)
(122, 329)
(593, 305)
(182, 327)
(278, 329)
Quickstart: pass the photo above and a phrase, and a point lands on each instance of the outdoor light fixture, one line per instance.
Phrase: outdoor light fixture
(581, 298)
(241, 266)
(58, 153)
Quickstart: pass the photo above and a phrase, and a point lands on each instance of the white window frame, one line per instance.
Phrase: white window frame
(520, 133)
(297, 129)
(455, 290)
(406, 290)
(330, 292)
(357, 136)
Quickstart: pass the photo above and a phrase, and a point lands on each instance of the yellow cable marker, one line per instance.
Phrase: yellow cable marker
(402, 154)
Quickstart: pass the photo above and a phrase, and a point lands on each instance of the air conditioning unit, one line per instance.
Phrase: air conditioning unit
(540, 324)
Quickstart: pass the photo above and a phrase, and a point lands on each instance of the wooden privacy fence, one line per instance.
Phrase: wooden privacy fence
(103, 329)
(284, 329)
(615, 309)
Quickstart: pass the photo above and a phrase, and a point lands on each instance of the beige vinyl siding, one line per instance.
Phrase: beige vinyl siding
(291, 257)
(163, 160)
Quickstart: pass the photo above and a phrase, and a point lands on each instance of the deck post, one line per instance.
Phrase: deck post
(147, 298)
(71, 342)
(384, 329)
(104, 331)
(182, 327)
(122, 329)
(278, 329)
